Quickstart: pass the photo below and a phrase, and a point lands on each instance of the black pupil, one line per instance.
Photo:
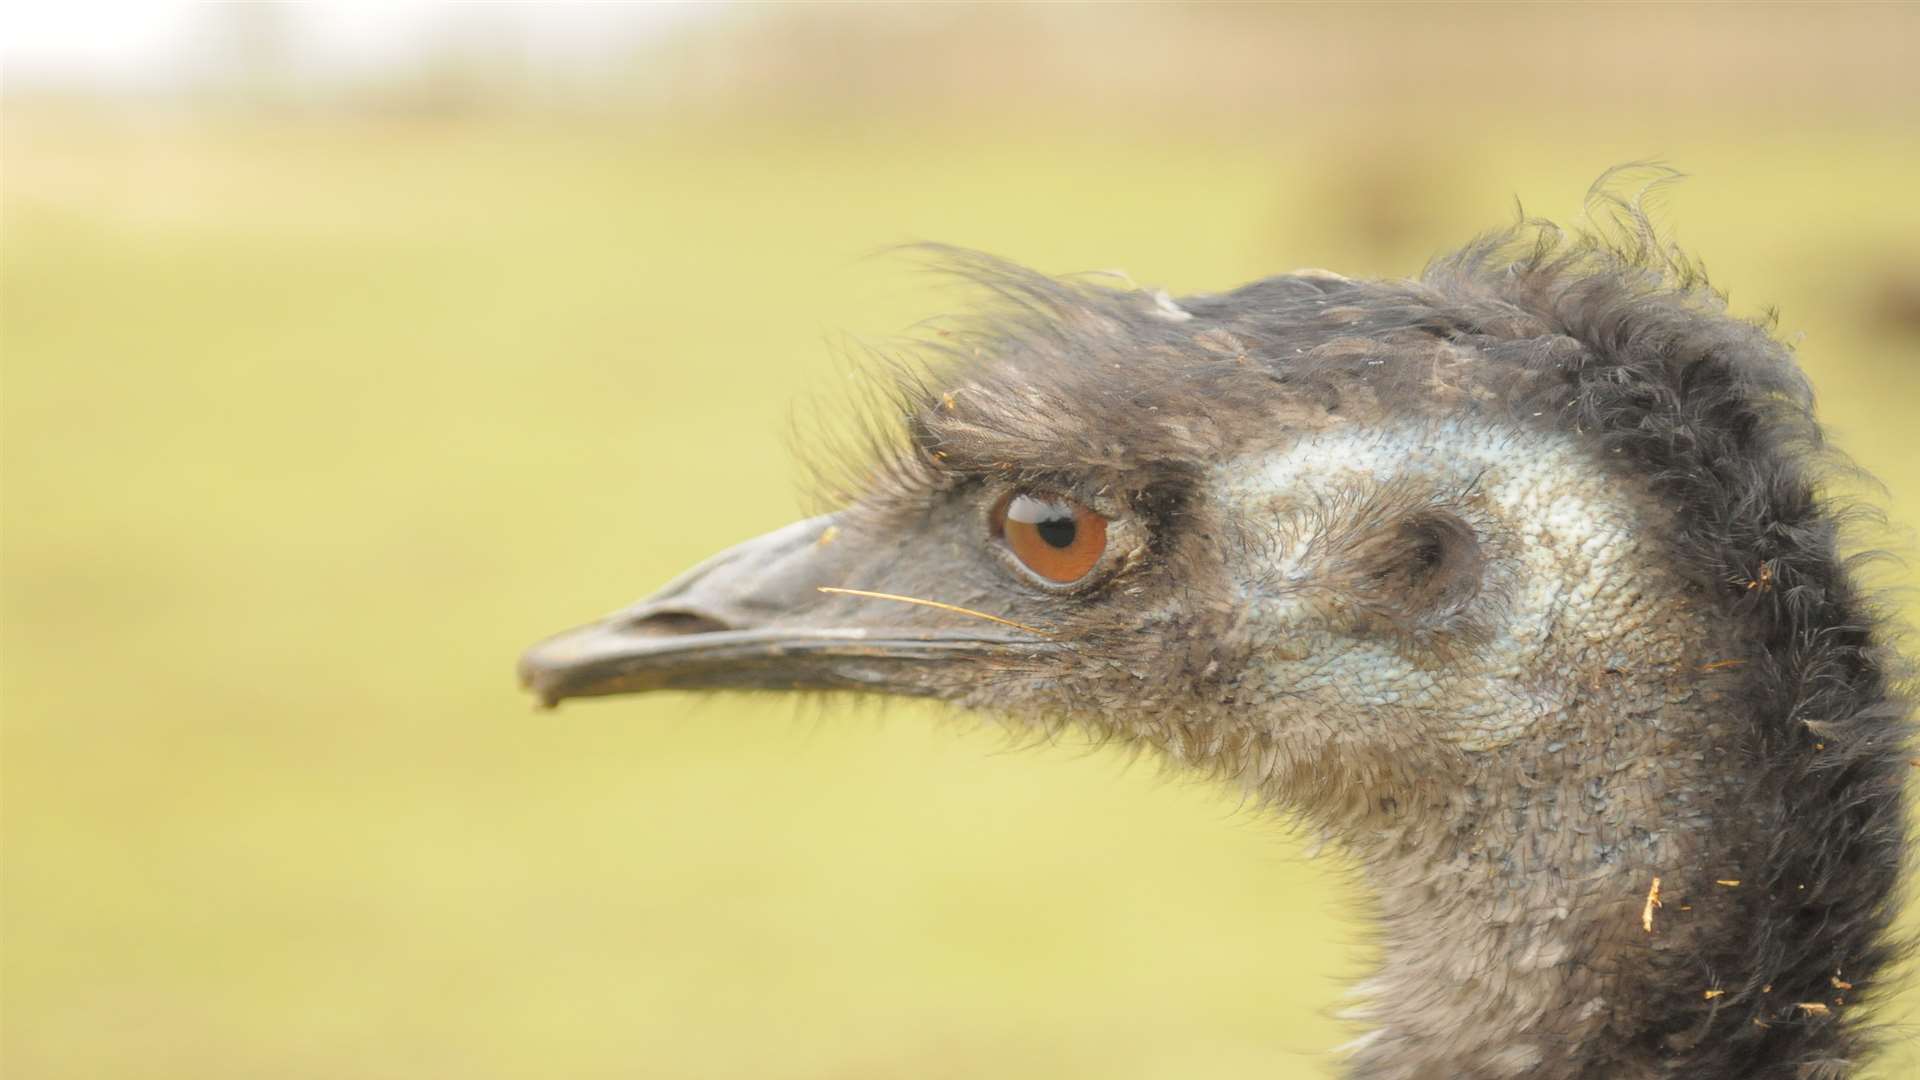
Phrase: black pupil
(1057, 531)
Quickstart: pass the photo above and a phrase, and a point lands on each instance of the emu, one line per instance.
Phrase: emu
(1519, 580)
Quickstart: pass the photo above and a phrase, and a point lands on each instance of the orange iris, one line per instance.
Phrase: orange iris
(1058, 539)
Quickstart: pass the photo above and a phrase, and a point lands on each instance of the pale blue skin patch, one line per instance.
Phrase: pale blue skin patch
(1566, 580)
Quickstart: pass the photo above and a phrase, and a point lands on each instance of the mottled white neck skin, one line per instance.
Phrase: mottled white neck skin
(1511, 782)
(1568, 588)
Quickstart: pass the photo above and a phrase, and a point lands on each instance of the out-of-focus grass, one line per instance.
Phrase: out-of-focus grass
(310, 427)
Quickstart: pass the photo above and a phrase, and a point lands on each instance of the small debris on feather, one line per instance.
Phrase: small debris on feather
(1653, 901)
(828, 535)
(1731, 883)
(1813, 1008)
(1838, 984)
(1317, 274)
(1711, 994)
(1166, 308)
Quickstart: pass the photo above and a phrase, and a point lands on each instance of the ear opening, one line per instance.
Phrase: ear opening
(1419, 571)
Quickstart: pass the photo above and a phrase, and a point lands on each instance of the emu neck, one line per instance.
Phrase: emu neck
(1513, 897)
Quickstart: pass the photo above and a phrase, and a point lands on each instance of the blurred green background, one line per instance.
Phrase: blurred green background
(331, 383)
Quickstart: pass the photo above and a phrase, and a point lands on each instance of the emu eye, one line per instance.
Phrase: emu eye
(1057, 539)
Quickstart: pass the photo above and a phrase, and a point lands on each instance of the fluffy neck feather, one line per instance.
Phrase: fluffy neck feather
(1513, 906)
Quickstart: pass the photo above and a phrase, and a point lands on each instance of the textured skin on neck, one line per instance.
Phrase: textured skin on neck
(1573, 587)
(1511, 908)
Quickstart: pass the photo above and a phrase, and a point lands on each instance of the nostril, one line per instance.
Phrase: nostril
(678, 623)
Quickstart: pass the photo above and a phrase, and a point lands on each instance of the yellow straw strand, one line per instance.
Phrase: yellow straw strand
(936, 604)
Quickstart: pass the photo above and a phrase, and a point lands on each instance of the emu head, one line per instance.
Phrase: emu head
(1511, 579)
(1301, 527)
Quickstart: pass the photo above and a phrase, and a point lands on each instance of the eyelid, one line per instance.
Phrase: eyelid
(1030, 508)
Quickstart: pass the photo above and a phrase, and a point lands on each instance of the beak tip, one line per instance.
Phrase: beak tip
(528, 672)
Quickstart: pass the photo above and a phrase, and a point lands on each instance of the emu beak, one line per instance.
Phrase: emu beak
(754, 618)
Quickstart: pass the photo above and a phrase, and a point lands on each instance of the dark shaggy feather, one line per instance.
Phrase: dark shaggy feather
(1718, 417)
